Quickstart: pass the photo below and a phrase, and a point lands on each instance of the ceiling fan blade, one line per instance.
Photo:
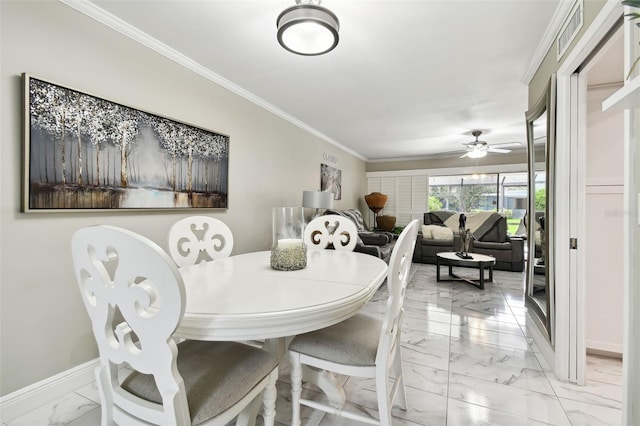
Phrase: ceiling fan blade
(465, 154)
(506, 144)
(500, 150)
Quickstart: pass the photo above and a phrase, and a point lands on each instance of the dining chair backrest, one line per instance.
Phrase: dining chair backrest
(361, 346)
(135, 298)
(331, 231)
(199, 238)
(397, 277)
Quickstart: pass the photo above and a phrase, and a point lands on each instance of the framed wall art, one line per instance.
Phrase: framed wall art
(331, 180)
(83, 153)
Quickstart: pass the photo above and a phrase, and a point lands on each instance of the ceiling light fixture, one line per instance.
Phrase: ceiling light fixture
(308, 29)
(477, 153)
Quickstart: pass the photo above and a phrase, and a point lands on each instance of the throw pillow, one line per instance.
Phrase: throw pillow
(426, 232)
(441, 233)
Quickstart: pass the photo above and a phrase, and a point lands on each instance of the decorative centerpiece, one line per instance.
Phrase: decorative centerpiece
(288, 252)
(386, 223)
(376, 202)
(465, 238)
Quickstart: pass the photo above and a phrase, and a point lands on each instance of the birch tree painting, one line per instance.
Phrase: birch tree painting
(85, 152)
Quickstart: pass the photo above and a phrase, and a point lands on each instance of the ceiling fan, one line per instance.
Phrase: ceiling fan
(479, 149)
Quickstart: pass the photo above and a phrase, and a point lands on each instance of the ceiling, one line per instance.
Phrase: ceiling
(408, 79)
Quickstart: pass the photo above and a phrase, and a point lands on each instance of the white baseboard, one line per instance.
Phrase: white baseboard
(595, 345)
(36, 395)
(543, 344)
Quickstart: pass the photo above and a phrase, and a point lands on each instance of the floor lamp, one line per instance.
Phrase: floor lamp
(375, 201)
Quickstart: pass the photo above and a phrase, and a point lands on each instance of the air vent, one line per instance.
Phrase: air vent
(570, 29)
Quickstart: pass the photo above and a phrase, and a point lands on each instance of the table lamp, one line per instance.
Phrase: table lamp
(317, 200)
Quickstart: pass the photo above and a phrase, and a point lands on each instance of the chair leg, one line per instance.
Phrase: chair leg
(399, 376)
(270, 394)
(384, 400)
(296, 388)
(106, 398)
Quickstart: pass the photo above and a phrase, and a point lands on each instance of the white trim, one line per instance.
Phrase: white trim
(604, 189)
(563, 133)
(595, 89)
(559, 16)
(541, 341)
(630, 259)
(625, 98)
(568, 312)
(630, 241)
(499, 168)
(578, 266)
(603, 346)
(117, 24)
(606, 19)
(577, 9)
(36, 395)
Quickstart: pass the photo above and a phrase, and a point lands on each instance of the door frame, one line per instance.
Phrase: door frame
(570, 350)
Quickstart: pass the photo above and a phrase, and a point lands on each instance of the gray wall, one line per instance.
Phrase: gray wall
(44, 329)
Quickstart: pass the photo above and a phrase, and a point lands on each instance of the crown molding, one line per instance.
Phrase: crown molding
(91, 10)
(462, 170)
(550, 34)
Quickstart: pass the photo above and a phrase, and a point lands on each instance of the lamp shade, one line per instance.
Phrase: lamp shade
(308, 29)
(317, 199)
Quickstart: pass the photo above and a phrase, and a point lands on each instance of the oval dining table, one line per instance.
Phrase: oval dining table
(242, 298)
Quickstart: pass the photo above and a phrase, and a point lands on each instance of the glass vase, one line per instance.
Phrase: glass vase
(288, 251)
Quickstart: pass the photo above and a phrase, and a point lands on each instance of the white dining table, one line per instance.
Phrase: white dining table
(242, 298)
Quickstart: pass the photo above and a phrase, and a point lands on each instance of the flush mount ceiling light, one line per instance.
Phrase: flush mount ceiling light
(308, 28)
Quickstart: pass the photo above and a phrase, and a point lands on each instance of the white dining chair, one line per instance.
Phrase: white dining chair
(135, 298)
(331, 231)
(195, 239)
(361, 346)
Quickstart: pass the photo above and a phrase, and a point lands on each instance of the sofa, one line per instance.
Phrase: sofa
(375, 243)
(439, 233)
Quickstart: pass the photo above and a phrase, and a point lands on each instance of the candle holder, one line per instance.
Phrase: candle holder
(288, 251)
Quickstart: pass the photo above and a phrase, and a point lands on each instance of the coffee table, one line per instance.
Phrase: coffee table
(477, 261)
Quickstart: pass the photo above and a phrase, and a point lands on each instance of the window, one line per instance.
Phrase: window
(410, 196)
(463, 193)
(499, 192)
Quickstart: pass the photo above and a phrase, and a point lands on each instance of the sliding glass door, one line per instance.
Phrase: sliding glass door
(502, 192)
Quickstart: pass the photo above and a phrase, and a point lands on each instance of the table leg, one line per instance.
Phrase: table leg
(276, 347)
(481, 286)
(327, 382)
(437, 269)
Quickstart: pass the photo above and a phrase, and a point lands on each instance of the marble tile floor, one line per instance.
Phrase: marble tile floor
(468, 360)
